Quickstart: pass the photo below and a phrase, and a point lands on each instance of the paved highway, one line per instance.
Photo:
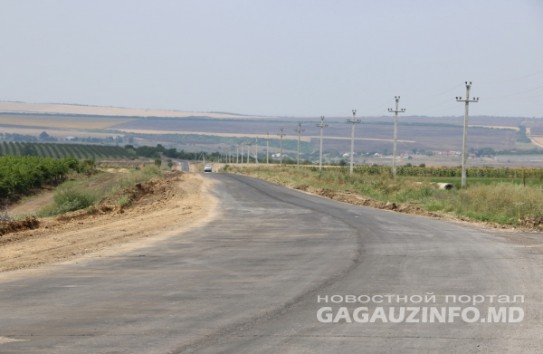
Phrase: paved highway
(183, 165)
(255, 279)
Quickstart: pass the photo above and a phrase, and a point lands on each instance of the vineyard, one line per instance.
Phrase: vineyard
(78, 151)
(479, 172)
(19, 175)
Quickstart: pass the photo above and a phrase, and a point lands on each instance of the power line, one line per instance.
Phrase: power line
(517, 93)
(518, 78)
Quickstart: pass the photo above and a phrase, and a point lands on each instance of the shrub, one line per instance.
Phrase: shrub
(69, 198)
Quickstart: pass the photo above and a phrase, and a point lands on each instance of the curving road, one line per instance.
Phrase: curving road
(253, 281)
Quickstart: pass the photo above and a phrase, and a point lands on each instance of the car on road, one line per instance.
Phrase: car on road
(208, 169)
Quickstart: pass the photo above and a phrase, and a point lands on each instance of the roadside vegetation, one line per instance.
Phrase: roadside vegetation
(77, 183)
(502, 196)
(20, 175)
(86, 192)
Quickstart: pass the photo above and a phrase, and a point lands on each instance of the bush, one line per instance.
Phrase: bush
(19, 175)
(69, 198)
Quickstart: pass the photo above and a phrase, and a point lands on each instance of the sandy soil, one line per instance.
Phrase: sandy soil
(536, 139)
(168, 208)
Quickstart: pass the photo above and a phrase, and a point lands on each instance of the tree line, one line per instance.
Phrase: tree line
(21, 174)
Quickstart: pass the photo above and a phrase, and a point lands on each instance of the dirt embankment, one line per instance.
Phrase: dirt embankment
(159, 208)
(356, 199)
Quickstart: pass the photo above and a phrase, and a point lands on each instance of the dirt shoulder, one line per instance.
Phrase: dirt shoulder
(168, 207)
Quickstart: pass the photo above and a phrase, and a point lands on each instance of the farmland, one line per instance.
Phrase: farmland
(373, 135)
(44, 121)
(80, 151)
(434, 141)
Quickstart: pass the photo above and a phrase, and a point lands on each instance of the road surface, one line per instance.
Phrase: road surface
(183, 165)
(254, 280)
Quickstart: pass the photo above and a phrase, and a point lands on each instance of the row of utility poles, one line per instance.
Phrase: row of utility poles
(354, 121)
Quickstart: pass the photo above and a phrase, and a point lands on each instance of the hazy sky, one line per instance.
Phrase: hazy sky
(276, 57)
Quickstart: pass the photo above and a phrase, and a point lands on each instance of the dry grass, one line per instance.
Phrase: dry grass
(502, 203)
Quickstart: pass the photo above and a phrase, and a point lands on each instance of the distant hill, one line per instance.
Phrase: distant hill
(75, 109)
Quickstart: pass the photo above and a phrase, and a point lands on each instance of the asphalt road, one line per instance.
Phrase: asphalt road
(183, 165)
(250, 282)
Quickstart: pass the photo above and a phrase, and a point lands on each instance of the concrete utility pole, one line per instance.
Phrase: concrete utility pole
(395, 111)
(248, 150)
(268, 148)
(299, 130)
(353, 121)
(281, 135)
(467, 101)
(256, 151)
(322, 126)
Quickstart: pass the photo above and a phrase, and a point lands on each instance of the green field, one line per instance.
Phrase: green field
(53, 150)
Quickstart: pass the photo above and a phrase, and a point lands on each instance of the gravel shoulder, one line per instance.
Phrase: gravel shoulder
(173, 204)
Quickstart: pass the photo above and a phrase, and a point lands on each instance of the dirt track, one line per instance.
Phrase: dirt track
(172, 205)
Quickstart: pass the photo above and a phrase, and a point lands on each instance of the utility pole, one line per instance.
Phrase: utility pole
(353, 121)
(322, 126)
(467, 101)
(237, 153)
(281, 135)
(268, 148)
(248, 151)
(256, 150)
(299, 130)
(395, 111)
